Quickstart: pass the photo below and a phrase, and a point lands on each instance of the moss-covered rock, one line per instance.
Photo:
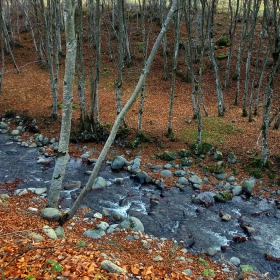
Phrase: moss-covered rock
(168, 156)
(223, 196)
(184, 153)
(222, 41)
(203, 148)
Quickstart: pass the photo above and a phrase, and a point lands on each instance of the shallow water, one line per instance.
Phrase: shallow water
(170, 214)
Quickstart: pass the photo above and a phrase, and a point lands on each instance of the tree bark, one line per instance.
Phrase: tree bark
(63, 155)
(120, 118)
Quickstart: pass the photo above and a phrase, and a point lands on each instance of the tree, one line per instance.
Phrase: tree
(2, 46)
(120, 117)
(62, 156)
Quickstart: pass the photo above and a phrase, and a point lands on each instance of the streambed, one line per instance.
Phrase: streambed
(171, 214)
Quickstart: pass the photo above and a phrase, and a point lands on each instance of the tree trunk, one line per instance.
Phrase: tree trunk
(120, 118)
(2, 45)
(63, 155)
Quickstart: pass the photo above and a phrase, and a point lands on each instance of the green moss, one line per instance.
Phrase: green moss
(222, 56)
(257, 173)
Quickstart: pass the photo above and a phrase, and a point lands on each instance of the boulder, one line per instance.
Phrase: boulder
(133, 223)
(51, 214)
(118, 162)
(99, 183)
(194, 179)
(111, 267)
(49, 232)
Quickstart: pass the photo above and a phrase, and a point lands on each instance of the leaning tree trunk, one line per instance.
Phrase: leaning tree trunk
(63, 155)
(69, 215)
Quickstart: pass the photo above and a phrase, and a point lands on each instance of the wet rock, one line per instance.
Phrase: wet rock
(211, 251)
(274, 250)
(51, 214)
(226, 217)
(21, 192)
(157, 167)
(197, 186)
(205, 198)
(99, 183)
(111, 267)
(249, 230)
(118, 162)
(223, 196)
(167, 166)
(236, 190)
(235, 261)
(184, 153)
(141, 176)
(73, 185)
(86, 155)
(49, 232)
(38, 191)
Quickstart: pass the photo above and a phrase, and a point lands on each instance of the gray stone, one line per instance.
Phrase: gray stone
(167, 166)
(166, 173)
(73, 185)
(156, 167)
(85, 155)
(248, 185)
(111, 267)
(51, 214)
(99, 183)
(235, 261)
(226, 217)
(218, 155)
(211, 251)
(141, 176)
(92, 160)
(231, 179)
(102, 226)
(94, 233)
(20, 192)
(32, 209)
(197, 187)
(194, 179)
(49, 232)
(37, 191)
(158, 258)
(179, 173)
(14, 132)
(183, 181)
(274, 250)
(236, 190)
(220, 176)
(36, 237)
(188, 272)
(60, 232)
(133, 223)
(118, 162)
(3, 125)
(231, 158)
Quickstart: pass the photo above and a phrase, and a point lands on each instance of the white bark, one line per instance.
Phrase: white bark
(62, 155)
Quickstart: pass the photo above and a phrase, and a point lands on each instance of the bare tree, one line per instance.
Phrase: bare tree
(2, 45)
(62, 156)
(120, 118)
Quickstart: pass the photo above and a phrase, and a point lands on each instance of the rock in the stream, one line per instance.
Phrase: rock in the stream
(236, 190)
(111, 267)
(51, 214)
(183, 181)
(235, 261)
(118, 162)
(223, 196)
(99, 183)
(73, 185)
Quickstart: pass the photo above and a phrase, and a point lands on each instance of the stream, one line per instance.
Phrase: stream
(171, 214)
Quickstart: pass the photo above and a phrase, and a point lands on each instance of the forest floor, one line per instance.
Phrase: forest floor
(28, 94)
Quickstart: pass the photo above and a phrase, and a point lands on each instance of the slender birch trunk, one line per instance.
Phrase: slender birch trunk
(2, 45)
(119, 119)
(62, 157)
(177, 30)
